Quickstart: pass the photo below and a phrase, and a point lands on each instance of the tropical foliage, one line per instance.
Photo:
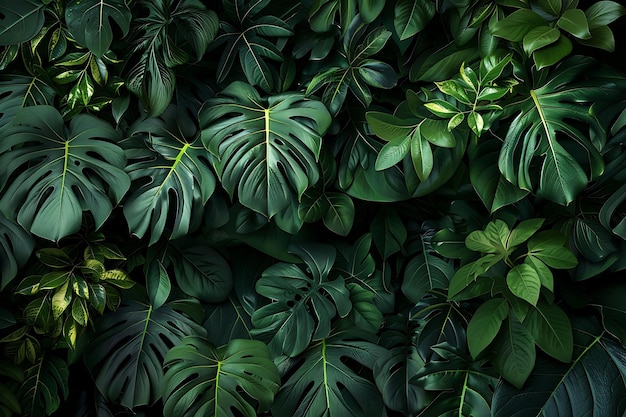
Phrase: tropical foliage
(316, 208)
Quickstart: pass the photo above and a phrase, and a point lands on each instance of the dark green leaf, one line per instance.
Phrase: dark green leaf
(516, 26)
(410, 17)
(552, 54)
(16, 245)
(20, 21)
(45, 386)
(90, 22)
(540, 37)
(327, 379)
(158, 284)
(126, 357)
(233, 380)
(515, 352)
(425, 272)
(201, 272)
(603, 13)
(265, 152)
(595, 376)
(340, 215)
(52, 190)
(575, 22)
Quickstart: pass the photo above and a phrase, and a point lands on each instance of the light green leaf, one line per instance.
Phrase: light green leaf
(475, 122)
(90, 22)
(265, 152)
(523, 231)
(20, 21)
(551, 329)
(238, 379)
(548, 247)
(389, 127)
(53, 189)
(575, 22)
(126, 356)
(524, 282)
(410, 17)
(485, 324)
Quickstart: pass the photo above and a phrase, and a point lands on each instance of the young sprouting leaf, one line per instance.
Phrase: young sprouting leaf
(485, 324)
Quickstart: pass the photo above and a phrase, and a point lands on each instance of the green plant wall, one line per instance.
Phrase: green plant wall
(336, 208)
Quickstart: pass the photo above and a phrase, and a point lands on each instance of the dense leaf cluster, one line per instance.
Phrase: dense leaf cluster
(316, 208)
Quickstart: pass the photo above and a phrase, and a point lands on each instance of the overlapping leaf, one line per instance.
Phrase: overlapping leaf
(126, 356)
(593, 384)
(237, 379)
(20, 91)
(300, 311)
(90, 22)
(326, 379)
(20, 21)
(45, 386)
(51, 174)
(172, 175)
(546, 130)
(266, 150)
(16, 245)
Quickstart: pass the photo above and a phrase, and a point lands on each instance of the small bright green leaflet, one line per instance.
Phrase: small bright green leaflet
(238, 379)
(51, 192)
(21, 21)
(45, 386)
(264, 152)
(89, 22)
(596, 375)
(323, 384)
(524, 282)
(465, 385)
(167, 158)
(301, 311)
(485, 324)
(542, 125)
(126, 356)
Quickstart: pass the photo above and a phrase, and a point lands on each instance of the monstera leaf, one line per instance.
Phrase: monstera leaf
(546, 128)
(328, 380)
(90, 22)
(45, 386)
(246, 38)
(172, 173)
(16, 245)
(126, 355)
(50, 173)
(20, 21)
(167, 36)
(20, 91)
(593, 384)
(238, 379)
(465, 386)
(265, 149)
(301, 311)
